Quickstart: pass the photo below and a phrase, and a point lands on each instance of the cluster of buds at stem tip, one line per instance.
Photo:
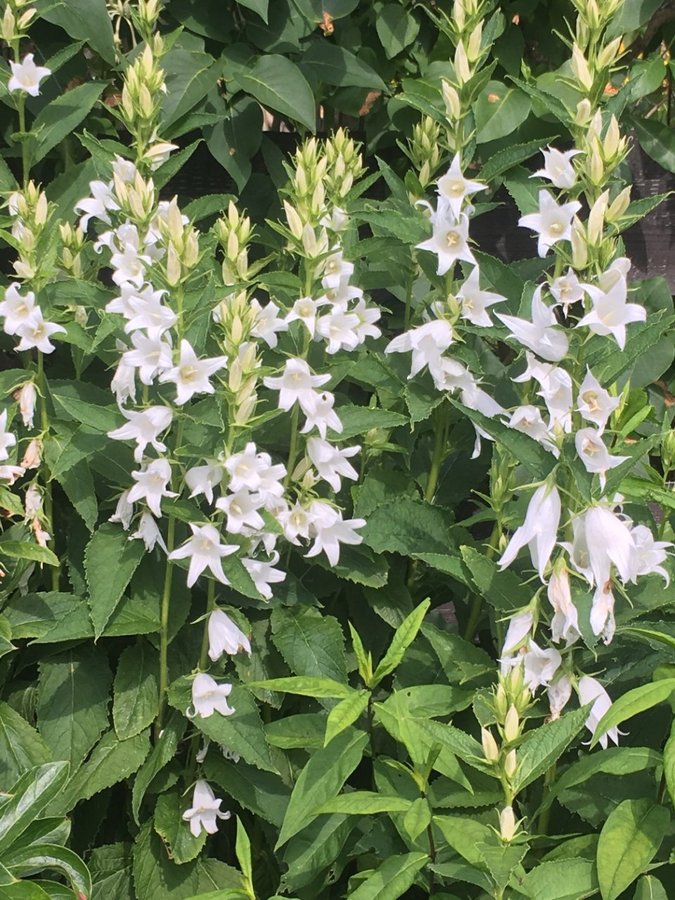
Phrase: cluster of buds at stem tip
(16, 20)
(424, 149)
(234, 233)
(145, 17)
(72, 245)
(142, 92)
(307, 182)
(182, 244)
(604, 148)
(137, 199)
(31, 212)
(344, 165)
(595, 15)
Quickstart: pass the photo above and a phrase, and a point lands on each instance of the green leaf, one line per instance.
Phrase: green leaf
(155, 875)
(649, 888)
(110, 867)
(407, 526)
(499, 110)
(160, 756)
(135, 690)
(51, 856)
(174, 831)
(242, 732)
(656, 140)
(396, 28)
(527, 451)
(110, 561)
(417, 818)
(540, 748)
(392, 879)
(78, 485)
(28, 550)
(360, 419)
(86, 20)
(404, 636)
(263, 793)
(315, 850)
(560, 879)
(50, 617)
(321, 779)
(364, 803)
(305, 686)
(632, 703)
(85, 404)
(279, 85)
(345, 713)
(629, 840)
(311, 643)
(243, 852)
(190, 75)
(465, 835)
(258, 6)
(27, 798)
(331, 64)
(62, 116)
(503, 590)
(24, 890)
(669, 764)
(21, 746)
(498, 163)
(111, 761)
(73, 697)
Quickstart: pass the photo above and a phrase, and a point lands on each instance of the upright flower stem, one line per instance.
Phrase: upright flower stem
(293, 448)
(44, 425)
(210, 606)
(25, 160)
(476, 610)
(164, 627)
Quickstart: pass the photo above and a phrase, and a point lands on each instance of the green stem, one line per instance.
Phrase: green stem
(438, 454)
(25, 160)
(210, 606)
(293, 449)
(44, 426)
(164, 628)
(476, 612)
(549, 779)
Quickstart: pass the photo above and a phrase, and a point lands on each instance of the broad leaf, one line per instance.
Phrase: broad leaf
(629, 840)
(110, 561)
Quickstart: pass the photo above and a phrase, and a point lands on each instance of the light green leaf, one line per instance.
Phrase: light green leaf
(364, 803)
(279, 85)
(190, 75)
(28, 550)
(396, 28)
(135, 690)
(629, 840)
(404, 636)
(311, 643)
(669, 764)
(174, 831)
(345, 713)
(243, 852)
(27, 798)
(563, 879)
(111, 761)
(62, 116)
(392, 879)
(27, 860)
(110, 561)
(321, 779)
(649, 888)
(305, 686)
(464, 835)
(541, 747)
(633, 702)
(21, 746)
(417, 818)
(499, 110)
(73, 698)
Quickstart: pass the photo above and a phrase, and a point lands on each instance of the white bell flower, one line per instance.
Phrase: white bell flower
(540, 665)
(542, 335)
(98, 205)
(528, 420)
(331, 462)
(26, 76)
(602, 538)
(191, 375)
(552, 222)
(328, 530)
(611, 312)
(556, 391)
(565, 621)
(241, 509)
(559, 693)
(7, 439)
(567, 290)
(595, 403)
(123, 384)
(148, 532)
(296, 383)
(449, 239)
(26, 397)
(594, 454)
(205, 810)
(558, 168)
(225, 636)
(203, 479)
(124, 511)
(267, 321)
(143, 427)
(650, 553)
(591, 691)
(305, 310)
(454, 187)
(602, 612)
(518, 632)
(336, 269)
(427, 343)
(205, 552)
(296, 522)
(151, 485)
(539, 530)
(150, 355)
(367, 316)
(323, 416)
(208, 697)
(339, 329)
(263, 573)
(476, 302)
(35, 333)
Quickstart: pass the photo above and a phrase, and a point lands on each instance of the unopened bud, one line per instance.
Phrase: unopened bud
(173, 266)
(453, 108)
(581, 69)
(579, 245)
(511, 724)
(33, 455)
(619, 205)
(461, 61)
(596, 219)
(608, 56)
(507, 824)
(583, 113)
(610, 145)
(510, 764)
(490, 748)
(473, 46)
(294, 220)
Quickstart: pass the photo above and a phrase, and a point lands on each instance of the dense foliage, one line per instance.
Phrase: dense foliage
(335, 547)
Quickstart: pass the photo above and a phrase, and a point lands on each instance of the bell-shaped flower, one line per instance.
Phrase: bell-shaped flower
(558, 168)
(323, 416)
(204, 551)
(449, 239)
(565, 621)
(602, 538)
(553, 222)
(191, 375)
(35, 333)
(267, 321)
(150, 355)
(540, 665)
(591, 691)
(602, 612)
(143, 427)
(454, 187)
(241, 509)
(296, 383)
(124, 511)
(296, 521)
(367, 316)
(26, 76)
(16, 309)
(225, 636)
(528, 420)
(151, 485)
(559, 693)
(208, 697)
(7, 439)
(306, 310)
(263, 573)
(594, 454)
(330, 462)
(98, 205)
(542, 335)
(328, 530)
(336, 269)
(567, 290)
(518, 633)
(149, 533)
(611, 312)
(539, 531)
(203, 479)
(595, 403)
(339, 329)
(556, 391)
(650, 553)
(205, 810)
(476, 302)
(427, 343)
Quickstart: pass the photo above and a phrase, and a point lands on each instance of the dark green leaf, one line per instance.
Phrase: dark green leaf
(135, 690)
(110, 561)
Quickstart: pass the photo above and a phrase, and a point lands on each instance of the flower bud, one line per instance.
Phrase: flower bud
(596, 219)
(453, 108)
(583, 113)
(507, 824)
(490, 748)
(510, 764)
(609, 54)
(173, 266)
(611, 143)
(462, 68)
(619, 205)
(294, 220)
(33, 455)
(579, 245)
(581, 69)
(473, 46)
(511, 724)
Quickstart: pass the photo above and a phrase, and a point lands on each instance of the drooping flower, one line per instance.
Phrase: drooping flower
(330, 462)
(553, 222)
(559, 693)
(203, 479)
(26, 397)
(205, 551)
(144, 427)
(323, 416)
(591, 691)
(565, 621)
(539, 530)
(542, 335)
(263, 573)
(7, 439)
(151, 485)
(98, 205)
(148, 532)
(540, 665)
(558, 168)
(328, 530)
(650, 553)
(225, 636)
(35, 333)
(205, 810)
(611, 312)
(594, 454)
(16, 309)
(267, 322)
(124, 511)
(518, 632)
(208, 697)
(427, 343)
(26, 76)
(475, 302)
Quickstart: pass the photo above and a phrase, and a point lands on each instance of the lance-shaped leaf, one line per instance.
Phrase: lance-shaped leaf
(633, 702)
(28, 797)
(404, 636)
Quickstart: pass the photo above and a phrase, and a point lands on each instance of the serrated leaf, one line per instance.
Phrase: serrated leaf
(629, 840)
(160, 756)
(306, 686)
(62, 116)
(364, 803)
(263, 793)
(392, 879)
(169, 824)
(321, 779)
(27, 798)
(542, 747)
(135, 690)
(110, 561)
(28, 550)
(73, 698)
(633, 702)
(311, 643)
(560, 879)
(279, 85)
(26, 860)
(21, 746)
